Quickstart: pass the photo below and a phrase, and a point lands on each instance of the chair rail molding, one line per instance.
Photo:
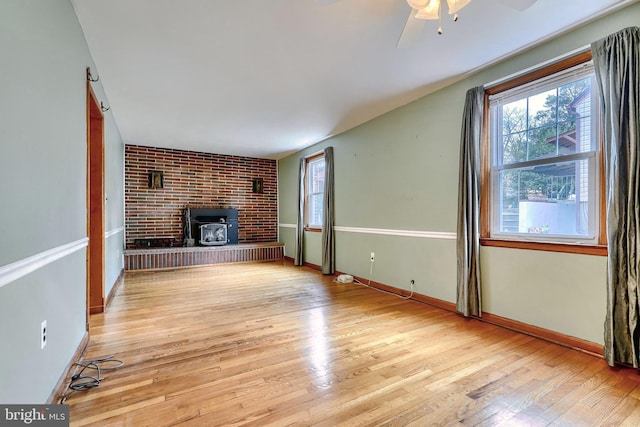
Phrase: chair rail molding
(391, 232)
(113, 232)
(14, 271)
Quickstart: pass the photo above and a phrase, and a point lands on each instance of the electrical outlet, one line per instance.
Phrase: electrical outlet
(43, 334)
(373, 256)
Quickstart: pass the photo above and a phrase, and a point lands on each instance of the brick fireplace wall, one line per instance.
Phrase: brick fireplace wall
(198, 180)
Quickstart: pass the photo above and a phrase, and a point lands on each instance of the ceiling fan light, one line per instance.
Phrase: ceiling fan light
(418, 4)
(456, 5)
(430, 11)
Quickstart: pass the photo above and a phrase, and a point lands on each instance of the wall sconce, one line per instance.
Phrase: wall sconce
(258, 185)
(156, 179)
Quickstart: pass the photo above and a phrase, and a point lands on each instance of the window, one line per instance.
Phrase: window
(314, 192)
(543, 157)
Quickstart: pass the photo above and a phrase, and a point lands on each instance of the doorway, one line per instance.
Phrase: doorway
(95, 205)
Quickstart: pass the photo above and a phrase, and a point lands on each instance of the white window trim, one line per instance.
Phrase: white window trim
(594, 158)
(309, 161)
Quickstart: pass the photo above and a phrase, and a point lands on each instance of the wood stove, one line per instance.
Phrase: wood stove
(207, 226)
(213, 234)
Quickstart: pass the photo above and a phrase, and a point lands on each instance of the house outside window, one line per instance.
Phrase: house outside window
(544, 164)
(314, 192)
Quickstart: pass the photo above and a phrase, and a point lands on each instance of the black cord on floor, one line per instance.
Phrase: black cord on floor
(80, 381)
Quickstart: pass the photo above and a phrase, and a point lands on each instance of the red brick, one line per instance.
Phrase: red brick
(200, 180)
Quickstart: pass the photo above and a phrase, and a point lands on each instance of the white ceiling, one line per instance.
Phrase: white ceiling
(265, 78)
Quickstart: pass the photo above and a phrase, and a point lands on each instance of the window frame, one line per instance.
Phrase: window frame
(308, 161)
(486, 205)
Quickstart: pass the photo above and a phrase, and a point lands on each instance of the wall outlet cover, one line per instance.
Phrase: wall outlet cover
(43, 334)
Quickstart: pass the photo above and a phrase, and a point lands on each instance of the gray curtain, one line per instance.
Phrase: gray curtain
(299, 260)
(468, 300)
(616, 60)
(328, 238)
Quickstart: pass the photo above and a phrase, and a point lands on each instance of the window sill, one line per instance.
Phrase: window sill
(572, 248)
(313, 229)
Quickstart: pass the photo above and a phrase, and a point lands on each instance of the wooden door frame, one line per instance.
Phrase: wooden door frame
(95, 205)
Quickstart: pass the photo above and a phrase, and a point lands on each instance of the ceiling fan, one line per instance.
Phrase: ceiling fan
(423, 10)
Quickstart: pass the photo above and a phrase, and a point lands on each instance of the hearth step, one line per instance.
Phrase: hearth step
(149, 259)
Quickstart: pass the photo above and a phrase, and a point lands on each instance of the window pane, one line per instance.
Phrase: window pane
(552, 123)
(316, 176)
(514, 147)
(542, 109)
(542, 142)
(514, 116)
(547, 199)
(580, 112)
(514, 136)
(574, 105)
(315, 209)
(315, 192)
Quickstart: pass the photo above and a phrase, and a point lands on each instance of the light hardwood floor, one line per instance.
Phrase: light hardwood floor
(272, 344)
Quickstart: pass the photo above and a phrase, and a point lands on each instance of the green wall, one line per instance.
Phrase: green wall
(43, 194)
(400, 172)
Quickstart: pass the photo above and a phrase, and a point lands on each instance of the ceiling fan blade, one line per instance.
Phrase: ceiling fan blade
(411, 31)
(520, 5)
